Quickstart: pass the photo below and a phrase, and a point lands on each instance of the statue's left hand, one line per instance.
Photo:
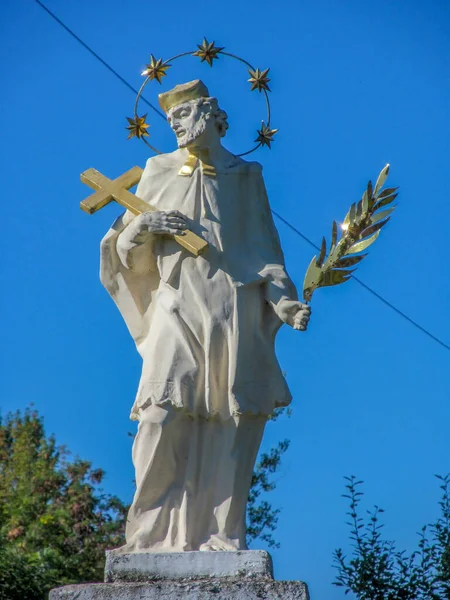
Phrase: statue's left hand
(294, 313)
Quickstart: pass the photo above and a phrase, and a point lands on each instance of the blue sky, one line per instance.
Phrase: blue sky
(356, 84)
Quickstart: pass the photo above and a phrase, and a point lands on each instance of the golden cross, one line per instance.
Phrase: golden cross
(117, 189)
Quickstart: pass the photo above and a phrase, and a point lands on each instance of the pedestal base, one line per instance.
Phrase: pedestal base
(245, 575)
(148, 566)
(214, 589)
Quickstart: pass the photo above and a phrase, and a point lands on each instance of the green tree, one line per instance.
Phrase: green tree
(55, 521)
(262, 518)
(378, 571)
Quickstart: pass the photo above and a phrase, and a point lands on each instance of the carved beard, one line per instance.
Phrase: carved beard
(192, 134)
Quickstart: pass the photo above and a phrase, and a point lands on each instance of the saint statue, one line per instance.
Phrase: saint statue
(205, 327)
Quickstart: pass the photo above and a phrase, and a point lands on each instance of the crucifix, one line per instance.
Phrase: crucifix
(117, 189)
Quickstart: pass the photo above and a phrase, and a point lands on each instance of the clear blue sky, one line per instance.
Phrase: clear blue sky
(356, 84)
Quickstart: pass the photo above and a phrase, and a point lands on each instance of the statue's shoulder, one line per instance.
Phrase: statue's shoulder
(239, 165)
(175, 160)
(165, 162)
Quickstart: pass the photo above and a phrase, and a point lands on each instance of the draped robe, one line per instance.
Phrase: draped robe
(205, 327)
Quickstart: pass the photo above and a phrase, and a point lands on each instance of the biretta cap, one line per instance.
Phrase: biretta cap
(183, 93)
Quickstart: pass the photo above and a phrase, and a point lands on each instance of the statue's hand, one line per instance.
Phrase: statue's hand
(160, 222)
(294, 313)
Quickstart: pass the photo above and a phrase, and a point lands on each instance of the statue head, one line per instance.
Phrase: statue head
(194, 115)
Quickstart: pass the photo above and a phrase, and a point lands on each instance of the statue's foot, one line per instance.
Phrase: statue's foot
(141, 544)
(220, 544)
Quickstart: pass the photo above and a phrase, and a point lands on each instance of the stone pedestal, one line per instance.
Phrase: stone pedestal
(146, 566)
(246, 575)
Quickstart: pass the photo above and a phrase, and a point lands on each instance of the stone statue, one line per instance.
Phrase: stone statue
(205, 327)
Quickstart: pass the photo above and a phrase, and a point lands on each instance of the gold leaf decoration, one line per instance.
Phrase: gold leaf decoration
(386, 200)
(381, 179)
(365, 200)
(382, 215)
(372, 228)
(349, 261)
(358, 212)
(387, 192)
(361, 227)
(312, 278)
(335, 276)
(208, 51)
(156, 69)
(334, 233)
(259, 80)
(137, 127)
(352, 215)
(265, 135)
(323, 252)
(360, 246)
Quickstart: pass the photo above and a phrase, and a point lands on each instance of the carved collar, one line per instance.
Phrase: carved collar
(202, 158)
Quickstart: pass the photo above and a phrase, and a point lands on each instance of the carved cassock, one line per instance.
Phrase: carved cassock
(205, 327)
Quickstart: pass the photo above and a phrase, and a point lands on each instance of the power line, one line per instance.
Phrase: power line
(282, 219)
(402, 314)
(295, 230)
(99, 58)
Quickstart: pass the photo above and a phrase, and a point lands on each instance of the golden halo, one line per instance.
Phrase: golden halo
(208, 52)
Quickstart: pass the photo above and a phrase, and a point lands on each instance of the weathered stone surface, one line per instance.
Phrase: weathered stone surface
(148, 566)
(213, 589)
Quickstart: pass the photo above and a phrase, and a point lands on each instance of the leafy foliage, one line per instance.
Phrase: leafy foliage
(55, 522)
(262, 519)
(23, 576)
(378, 571)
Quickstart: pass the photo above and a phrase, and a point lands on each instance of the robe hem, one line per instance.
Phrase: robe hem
(209, 414)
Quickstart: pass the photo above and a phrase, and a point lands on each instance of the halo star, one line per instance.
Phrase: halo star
(156, 69)
(208, 51)
(265, 135)
(137, 127)
(259, 80)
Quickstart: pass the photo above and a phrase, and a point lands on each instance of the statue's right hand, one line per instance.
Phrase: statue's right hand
(161, 222)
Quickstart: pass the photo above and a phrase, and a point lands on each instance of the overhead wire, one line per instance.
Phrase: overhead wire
(99, 58)
(282, 219)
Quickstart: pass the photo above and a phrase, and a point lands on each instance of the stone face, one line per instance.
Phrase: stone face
(148, 566)
(213, 589)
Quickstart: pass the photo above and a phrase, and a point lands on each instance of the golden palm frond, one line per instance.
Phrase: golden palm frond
(361, 227)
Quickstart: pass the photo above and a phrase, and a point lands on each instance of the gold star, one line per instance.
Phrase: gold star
(137, 127)
(207, 51)
(259, 80)
(156, 69)
(265, 135)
